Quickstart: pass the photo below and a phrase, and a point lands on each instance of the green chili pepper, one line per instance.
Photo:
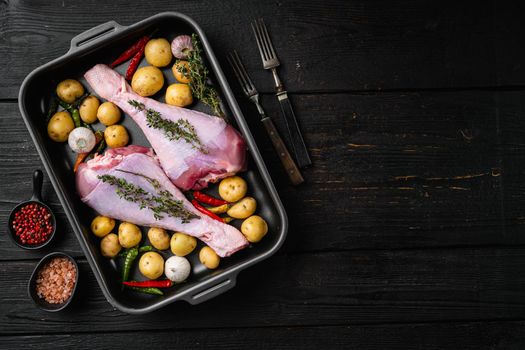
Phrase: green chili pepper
(79, 100)
(76, 118)
(146, 248)
(128, 262)
(67, 106)
(101, 146)
(73, 108)
(149, 290)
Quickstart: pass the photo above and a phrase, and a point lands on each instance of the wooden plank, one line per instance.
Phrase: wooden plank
(474, 335)
(361, 287)
(391, 170)
(330, 46)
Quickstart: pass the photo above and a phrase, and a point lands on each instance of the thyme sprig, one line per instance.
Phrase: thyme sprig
(198, 73)
(174, 131)
(154, 182)
(160, 204)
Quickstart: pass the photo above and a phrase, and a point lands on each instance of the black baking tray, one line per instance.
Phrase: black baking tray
(101, 44)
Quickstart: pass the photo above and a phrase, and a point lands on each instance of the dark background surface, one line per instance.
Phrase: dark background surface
(409, 233)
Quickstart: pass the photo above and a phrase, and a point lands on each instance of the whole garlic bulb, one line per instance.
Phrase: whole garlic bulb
(177, 268)
(181, 46)
(81, 140)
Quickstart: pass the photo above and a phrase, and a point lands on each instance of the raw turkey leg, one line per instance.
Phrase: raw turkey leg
(138, 167)
(220, 152)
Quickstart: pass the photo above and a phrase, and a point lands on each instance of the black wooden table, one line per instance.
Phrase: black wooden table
(410, 230)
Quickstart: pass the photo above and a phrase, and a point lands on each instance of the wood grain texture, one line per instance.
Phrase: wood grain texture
(324, 46)
(391, 170)
(409, 230)
(473, 335)
(361, 287)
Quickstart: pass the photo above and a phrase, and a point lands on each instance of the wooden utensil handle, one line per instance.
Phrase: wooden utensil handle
(296, 138)
(286, 159)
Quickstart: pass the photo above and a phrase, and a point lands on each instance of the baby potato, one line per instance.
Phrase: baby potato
(159, 238)
(129, 235)
(147, 81)
(243, 209)
(158, 52)
(109, 246)
(116, 136)
(181, 71)
(254, 228)
(179, 95)
(182, 244)
(233, 189)
(102, 225)
(59, 126)
(108, 113)
(209, 258)
(151, 265)
(69, 90)
(88, 109)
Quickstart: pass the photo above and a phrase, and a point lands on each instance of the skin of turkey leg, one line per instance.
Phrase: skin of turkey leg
(186, 166)
(222, 238)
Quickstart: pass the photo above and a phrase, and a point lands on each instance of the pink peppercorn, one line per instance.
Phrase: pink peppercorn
(32, 224)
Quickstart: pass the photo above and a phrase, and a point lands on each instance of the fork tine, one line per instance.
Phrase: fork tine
(243, 71)
(259, 44)
(239, 73)
(234, 67)
(268, 39)
(244, 84)
(263, 39)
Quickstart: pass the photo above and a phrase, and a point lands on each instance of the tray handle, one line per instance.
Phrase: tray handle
(211, 292)
(93, 35)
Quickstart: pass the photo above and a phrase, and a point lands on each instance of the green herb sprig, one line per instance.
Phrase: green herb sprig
(174, 131)
(198, 73)
(160, 204)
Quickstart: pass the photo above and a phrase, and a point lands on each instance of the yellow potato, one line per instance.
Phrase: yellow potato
(254, 228)
(102, 225)
(243, 208)
(179, 95)
(108, 113)
(209, 258)
(151, 265)
(69, 90)
(147, 81)
(88, 109)
(129, 235)
(182, 244)
(158, 52)
(109, 246)
(159, 238)
(181, 71)
(233, 189)
(116, 136)
(59, 126)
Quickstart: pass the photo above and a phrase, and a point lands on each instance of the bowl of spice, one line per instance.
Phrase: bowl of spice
(32, 224)
(53, 282)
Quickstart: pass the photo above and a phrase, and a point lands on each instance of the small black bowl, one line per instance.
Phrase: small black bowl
(36, 198)
(40, 302)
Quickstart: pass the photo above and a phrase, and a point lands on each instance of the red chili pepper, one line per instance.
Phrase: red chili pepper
(126, 55)
(207, 199)
(134, 64)
(150, 284)
(205, 211)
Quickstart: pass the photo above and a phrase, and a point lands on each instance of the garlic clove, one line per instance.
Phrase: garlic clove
(81, 140)
(181, 46)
